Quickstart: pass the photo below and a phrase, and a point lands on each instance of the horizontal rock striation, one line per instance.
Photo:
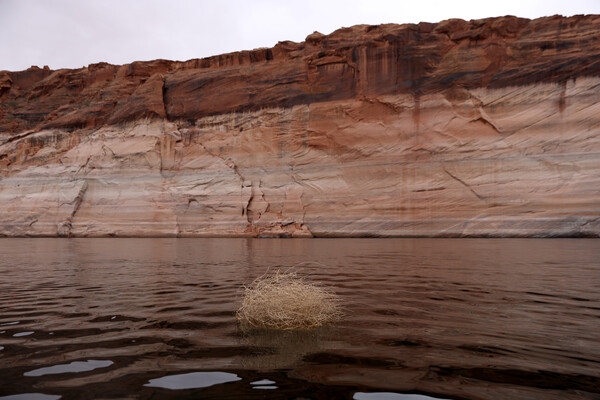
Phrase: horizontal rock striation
(462, 128)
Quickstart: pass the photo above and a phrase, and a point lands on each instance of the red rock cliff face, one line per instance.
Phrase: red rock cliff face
(478, 128)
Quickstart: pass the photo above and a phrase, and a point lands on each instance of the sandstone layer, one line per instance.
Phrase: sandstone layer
(460, 128)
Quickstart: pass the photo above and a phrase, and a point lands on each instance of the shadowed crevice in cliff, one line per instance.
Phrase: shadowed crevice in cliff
(164, 101)
(257, 205)
(466, 185)
(65, 228)
(18, 137)
(486, 120)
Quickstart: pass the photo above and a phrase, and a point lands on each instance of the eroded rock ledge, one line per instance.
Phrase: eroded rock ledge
(461, 128)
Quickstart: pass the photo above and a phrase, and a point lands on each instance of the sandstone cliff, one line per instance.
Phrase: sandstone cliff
(460, 128)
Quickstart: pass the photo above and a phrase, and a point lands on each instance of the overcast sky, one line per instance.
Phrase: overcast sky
(75, 33)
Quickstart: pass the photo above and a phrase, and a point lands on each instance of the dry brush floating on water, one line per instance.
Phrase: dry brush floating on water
(285, 300)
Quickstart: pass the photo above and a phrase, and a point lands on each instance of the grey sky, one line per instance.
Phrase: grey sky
(75, 33)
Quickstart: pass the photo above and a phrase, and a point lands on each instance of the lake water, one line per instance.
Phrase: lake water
(424, 318)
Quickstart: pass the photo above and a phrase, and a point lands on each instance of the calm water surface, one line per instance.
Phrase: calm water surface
(425, 318)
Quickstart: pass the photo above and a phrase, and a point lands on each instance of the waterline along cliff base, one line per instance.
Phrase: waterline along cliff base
(460, 128)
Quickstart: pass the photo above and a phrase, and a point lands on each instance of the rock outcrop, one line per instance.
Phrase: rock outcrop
(461, 128)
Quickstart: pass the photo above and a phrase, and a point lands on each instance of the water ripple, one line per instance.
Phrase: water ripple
(424, 319)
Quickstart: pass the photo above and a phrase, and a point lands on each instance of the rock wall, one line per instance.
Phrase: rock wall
(479, 128)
